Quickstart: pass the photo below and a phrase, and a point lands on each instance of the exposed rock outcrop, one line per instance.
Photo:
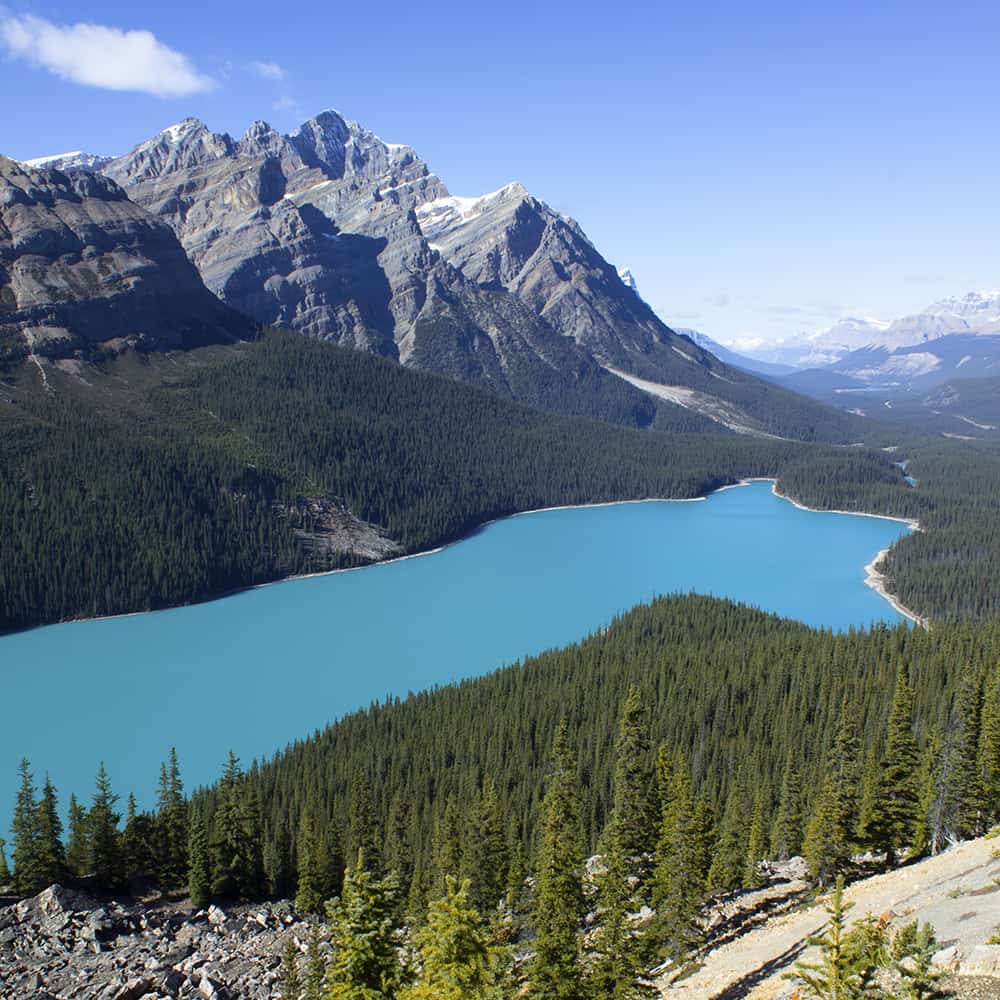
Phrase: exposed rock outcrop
(83, 268)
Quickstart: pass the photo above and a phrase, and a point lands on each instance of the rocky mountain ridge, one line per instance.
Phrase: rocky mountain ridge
(331, 232)
(82, 268)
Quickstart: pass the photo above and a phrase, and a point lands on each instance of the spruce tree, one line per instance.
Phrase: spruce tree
(172, 824)
(289, 982)
(728, 859)
(963, 805)
(928, 832)
(314, 981)
(679, 877)
(399, 850)
(843, 765)
(834, 977)
(486, 857)
(309, 892)
(826, 845)
(446, 848)
(363, 829)
(633, 818)
(618, 960)
(77, 848)
(892, 822)
(106, 861)
(27, 875)
(5, 878)
(989, 747)
(756, 849)
(786, 840)
(51, 853)
(453, 950)
(238, 869)
(365, 963)
(200, 868)
(555, 972)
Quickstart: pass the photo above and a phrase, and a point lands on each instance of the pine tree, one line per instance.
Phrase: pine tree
(238, 869)
(834, 977)
(618, 959)
(446, 848)
(200, 870)
(27, 876)
(756, 850)
(786, 840)
(989, 747)
(486, 857)
(555, 972)
(928, 830)
(172, 824)
(892, 822)
(5, 878)
(48, 830)
(918, 975)
(278, 861)
(309, 893)
(826, 847)
(365, 963)
(399, 851)
(289, 983)
(77, 848)
(679, 877)
(844, 767)
(106, 861)
(453, 950)
(728, 858)
(315, 977)
(963, 807)
(140, 842)
(363, 830)
(633, 820)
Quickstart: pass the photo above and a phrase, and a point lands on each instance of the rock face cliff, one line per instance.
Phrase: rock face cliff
(83, 268)
(317, 231)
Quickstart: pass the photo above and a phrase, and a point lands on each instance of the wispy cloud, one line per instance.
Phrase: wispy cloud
(268, 70)
(96, 55)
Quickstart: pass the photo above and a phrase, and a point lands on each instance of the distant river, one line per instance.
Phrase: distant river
(254, 671)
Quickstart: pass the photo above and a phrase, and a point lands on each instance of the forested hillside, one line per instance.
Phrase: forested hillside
(687, 743)
(152, 480)
(149, 480)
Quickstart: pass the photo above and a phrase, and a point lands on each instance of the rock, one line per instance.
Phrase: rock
(82, 267)
(216, 917)
(134, 989)
(983, 960)
(946, 958)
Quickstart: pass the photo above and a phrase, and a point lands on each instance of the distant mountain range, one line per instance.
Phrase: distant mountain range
(331, 232)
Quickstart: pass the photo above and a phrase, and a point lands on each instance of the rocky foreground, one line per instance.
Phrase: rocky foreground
(65, 944)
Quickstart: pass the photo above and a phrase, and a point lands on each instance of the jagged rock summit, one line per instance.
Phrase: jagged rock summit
(83, 268)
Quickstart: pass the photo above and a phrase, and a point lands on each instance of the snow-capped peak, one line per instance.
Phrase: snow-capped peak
(628, 279)
(76, 160)
(458, 209)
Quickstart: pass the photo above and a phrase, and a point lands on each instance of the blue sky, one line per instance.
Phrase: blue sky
(762, 168)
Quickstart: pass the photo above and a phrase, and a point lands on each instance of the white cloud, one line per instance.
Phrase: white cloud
(286, 104)
(268, 70)
(98, 56)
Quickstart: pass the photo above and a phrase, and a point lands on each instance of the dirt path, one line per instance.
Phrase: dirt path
(958, 892)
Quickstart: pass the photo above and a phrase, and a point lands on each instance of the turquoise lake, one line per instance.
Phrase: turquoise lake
(256, 670)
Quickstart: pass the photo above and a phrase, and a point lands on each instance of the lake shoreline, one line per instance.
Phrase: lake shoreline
(873, 578)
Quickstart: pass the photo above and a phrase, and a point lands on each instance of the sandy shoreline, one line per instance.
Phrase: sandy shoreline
(873, 577)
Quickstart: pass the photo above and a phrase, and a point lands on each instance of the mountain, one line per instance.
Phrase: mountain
(732, 357)
(939, 385)
(974, 313)
(336, 234)
(83, 269)
(76, 160)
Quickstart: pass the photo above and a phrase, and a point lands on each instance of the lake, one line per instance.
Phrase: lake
(256, 670)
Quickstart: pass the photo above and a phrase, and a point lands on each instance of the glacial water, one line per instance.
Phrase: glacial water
(256, 670)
